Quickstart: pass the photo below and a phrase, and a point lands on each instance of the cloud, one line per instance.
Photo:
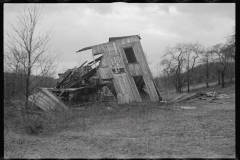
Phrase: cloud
(209, 9)
(101, 8)
(80, 25)
(163, 8)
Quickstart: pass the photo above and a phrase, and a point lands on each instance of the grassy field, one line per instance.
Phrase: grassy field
(149, 130)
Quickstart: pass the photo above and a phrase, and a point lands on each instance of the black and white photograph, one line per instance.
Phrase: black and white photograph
(119, 80)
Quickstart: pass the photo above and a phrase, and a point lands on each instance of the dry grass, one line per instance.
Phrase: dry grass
(151, 130)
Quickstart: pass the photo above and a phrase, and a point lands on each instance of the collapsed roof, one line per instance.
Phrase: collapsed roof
(122, 74)
(123, 62)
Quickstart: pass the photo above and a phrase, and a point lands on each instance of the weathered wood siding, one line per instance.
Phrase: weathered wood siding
(114, 65)
(103, 63)
(127, 40)
(142, 65)
(97, 49)
(42, 101)
(134, 69)
(147, 75)
(110, 68)
(46, 100)
(125, 95)
(134, 89)
(105, 73)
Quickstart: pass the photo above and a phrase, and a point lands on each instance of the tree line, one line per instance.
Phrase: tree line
(181, 64)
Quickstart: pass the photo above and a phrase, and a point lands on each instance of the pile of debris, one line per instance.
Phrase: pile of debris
(81, 85)
(74, 87)
(120, 73)
(208, 96)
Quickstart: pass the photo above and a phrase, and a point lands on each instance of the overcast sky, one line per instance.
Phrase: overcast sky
(159, 25)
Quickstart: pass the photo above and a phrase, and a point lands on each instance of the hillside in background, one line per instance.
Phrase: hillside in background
(13, 83)
(198, 77)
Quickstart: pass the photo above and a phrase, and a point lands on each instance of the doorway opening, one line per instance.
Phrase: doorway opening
(142, 89)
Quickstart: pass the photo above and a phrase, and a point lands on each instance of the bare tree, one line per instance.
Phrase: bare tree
(27, 51)
(174, 65)
(230, 44)
(191, 55)
(206, 59)
(222, 59)
(179, 63)
(169, 73)
(223, 55)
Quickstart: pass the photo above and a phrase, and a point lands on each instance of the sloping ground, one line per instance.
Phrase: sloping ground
(150, 130)
(171, 95)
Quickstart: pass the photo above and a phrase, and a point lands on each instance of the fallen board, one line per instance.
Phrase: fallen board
(188, 96)
(46, 100)
(177, 97)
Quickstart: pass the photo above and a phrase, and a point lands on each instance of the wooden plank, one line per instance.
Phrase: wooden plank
(141, 53)
(111, 47)
(97, 49)
(103, 63)
(128, 87)
(43, 101)
(83, 49)
(178, 97)
(122, 41)
(124, 82)
(126, 95)
(46, 102)
(117, 85)
(186, 96)
(134, 39)
(158, 92)
(147, 76)
(36, 100)
(128, 40)
(133, 86)
(52, 96)
(64, 79)
(122, 37)
(119, 91)
(106, 55)
(113, 53)
(130, 78)
(105, 73)
(134, 69)
(116, 62)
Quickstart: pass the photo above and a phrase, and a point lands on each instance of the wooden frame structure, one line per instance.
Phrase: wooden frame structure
(123, 61)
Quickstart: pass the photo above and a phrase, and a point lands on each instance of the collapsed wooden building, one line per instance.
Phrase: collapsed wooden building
(122, 74)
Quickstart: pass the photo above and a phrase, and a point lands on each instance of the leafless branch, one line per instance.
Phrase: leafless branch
(27, 49)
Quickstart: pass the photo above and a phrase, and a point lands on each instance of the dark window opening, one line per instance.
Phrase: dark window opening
(130, 55)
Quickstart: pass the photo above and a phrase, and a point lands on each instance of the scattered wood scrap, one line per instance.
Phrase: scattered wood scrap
(76, 86)
(178, 97)
(208, 96)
